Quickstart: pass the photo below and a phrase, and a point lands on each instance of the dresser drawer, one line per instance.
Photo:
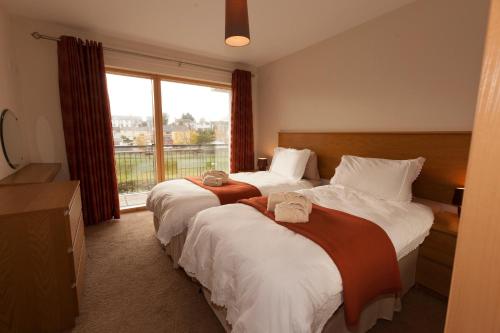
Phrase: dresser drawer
(78, 244)
(437, 255)
(75, 212)
(441, 242)
(434, 276)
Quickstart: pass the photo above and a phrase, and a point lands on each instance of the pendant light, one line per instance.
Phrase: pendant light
(237, 31)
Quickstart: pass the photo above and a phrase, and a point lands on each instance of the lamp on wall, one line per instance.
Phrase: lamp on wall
(237, 30)
(458, 196)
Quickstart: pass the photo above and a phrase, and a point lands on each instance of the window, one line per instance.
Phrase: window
(195, 128)
(184, 134)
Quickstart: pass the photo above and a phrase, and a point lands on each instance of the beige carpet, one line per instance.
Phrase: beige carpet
(132, 287)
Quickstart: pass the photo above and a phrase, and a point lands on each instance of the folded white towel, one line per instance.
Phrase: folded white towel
(217, 174)
(291, 212)
(292, 197)
(212, 181)
(300, 199)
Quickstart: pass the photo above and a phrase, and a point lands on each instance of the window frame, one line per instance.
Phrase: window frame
(157, 99)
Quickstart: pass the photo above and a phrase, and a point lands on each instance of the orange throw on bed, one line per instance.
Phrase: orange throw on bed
(230, 192)
(362, 251)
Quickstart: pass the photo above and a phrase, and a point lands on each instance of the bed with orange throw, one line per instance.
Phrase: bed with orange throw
(295, 277)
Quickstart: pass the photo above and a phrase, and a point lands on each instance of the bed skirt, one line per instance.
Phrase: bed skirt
(174, 248)
(156, 223)
(382, 308)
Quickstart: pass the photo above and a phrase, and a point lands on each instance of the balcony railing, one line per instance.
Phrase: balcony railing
(136, 165)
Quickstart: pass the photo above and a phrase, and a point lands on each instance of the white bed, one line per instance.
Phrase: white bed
(174, 202)
(270, 279)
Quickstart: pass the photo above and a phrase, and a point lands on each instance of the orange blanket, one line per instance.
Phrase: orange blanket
(230, 192)
(362, 251)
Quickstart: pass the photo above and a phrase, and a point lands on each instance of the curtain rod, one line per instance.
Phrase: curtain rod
(38, 35)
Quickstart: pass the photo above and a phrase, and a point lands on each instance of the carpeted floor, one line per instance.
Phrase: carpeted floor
(131, 286)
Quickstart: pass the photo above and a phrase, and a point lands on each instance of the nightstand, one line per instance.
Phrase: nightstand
(435, 260)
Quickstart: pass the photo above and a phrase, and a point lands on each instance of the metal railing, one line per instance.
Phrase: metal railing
(136, 165)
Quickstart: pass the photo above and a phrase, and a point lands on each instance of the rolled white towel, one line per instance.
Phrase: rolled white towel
(212, 181)
(218, 174)
(291, 212)
(293, 197)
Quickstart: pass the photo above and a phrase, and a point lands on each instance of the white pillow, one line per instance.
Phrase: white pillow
(384, 179)
(290, 163)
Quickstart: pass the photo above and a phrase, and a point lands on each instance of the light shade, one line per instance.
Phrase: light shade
(262, 163)
(237, 30)
(458, 197)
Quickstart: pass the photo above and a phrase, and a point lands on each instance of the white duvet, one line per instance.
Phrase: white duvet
(271, 279)
(174, 202)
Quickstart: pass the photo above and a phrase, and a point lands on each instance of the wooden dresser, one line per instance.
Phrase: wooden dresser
(436, 254)
(42, 256)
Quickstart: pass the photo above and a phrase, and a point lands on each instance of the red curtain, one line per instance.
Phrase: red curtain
(87, 127)
(242, 151)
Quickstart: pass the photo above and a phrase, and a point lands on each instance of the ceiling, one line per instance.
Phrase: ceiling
(277, 27)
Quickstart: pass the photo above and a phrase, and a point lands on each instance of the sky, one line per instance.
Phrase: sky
(133, 96)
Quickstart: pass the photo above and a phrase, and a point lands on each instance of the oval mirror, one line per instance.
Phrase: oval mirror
(10, 135)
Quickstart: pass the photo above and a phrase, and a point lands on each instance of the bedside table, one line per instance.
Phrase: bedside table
(436, 254)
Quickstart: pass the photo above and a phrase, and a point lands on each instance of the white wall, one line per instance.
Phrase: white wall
(38, 80)
(414, 69)
(8, 91)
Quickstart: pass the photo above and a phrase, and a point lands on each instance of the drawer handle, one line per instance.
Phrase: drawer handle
(73, 286)
(66, 212)
(70, 250)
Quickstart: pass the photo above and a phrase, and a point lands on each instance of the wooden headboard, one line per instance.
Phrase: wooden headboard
(446, 155)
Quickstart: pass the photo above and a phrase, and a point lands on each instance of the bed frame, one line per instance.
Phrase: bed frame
(446, 155)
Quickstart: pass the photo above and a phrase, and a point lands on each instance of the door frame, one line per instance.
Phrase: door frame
(158, 112)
